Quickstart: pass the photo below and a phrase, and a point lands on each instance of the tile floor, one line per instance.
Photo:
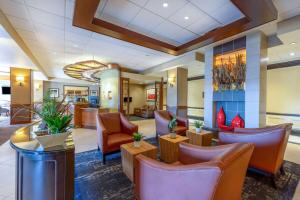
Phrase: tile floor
(86, 139)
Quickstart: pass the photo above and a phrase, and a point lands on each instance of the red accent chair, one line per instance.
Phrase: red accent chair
(162, 119)
(202, 173)
(113, 130)
(270, 145)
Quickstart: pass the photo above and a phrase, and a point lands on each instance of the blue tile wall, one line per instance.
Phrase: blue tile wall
(233, 103)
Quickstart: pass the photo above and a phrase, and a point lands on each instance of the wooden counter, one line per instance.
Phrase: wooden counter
(84, 116)
(88, 116)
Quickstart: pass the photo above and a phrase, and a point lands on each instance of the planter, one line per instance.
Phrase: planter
(137, 144)
(47, 141)
(198, 130)
(173, 135)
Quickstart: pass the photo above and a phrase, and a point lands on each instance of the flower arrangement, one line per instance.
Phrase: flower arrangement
(172, 124)
(137, 138)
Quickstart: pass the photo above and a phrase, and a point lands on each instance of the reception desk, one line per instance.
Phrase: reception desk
(85, 116)
(42, 173)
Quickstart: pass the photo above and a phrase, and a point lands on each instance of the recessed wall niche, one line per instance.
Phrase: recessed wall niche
(229, 76)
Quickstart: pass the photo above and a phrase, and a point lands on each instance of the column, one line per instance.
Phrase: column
(208, 89)
(256, 80)
(177, 91)
(21, 83)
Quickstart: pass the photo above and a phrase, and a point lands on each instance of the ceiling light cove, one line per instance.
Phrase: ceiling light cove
(165, 5)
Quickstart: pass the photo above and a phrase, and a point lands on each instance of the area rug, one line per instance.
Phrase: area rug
(95, 181)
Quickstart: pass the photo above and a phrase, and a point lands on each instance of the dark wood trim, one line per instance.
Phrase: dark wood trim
(195, 117)
(284, 114)
(257, 12)
(191, 107)
(291, 63)
(196, 78)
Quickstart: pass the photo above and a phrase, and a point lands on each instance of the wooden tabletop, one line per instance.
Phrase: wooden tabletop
(202, 131)
(178, 138)
(145, 146)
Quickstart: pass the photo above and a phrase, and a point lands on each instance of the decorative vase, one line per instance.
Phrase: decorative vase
(173, 135)
(198, 130)
(52, 140)
(137, 144)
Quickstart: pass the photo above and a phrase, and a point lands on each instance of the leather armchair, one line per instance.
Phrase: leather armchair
(202, 173)
(162, 119)
(113, 130)
(270, 145)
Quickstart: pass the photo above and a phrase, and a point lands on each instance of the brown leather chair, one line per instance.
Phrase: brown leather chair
(162, 119)
(270, 145)
(113, 130)
(202, 173)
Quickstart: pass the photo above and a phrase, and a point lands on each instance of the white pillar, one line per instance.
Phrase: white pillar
(208, 89)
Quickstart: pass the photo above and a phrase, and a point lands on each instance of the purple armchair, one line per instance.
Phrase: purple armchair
(202, 173)
(113, 130)
(162, 119)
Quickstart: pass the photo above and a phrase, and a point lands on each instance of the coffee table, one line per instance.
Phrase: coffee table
(128, 153)
(204, 138)
(169, 147)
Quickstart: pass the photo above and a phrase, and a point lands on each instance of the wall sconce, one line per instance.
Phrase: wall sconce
(20, 80)
(109, 95)
(172, 81)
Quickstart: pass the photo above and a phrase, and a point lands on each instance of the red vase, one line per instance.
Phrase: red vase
(221, 118)
(238, 122)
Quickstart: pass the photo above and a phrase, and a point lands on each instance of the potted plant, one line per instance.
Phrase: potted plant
(198, 125)
(172, 124)
(55, 121)
(137, 138)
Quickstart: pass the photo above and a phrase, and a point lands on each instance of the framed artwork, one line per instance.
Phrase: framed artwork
(150, 94)
(93, 93)
(54, 92)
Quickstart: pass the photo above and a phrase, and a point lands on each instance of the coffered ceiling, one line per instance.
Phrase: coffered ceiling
(175, 22)
(46, 27)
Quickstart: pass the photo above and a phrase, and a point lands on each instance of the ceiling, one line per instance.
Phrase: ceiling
(175, 22)
(11, 55)
(46, 27)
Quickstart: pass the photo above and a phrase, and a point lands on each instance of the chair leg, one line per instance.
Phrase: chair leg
(104, 159)
(273, 181)
(282, 172)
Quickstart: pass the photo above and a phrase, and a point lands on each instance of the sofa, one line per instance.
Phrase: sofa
(202, 173)
(270, 145)
(146, 111)
(162, 119)
(113, 130)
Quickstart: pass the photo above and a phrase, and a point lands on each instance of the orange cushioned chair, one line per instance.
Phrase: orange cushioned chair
(270, 145)
(162, 119)
(202, 173)
(113, 130)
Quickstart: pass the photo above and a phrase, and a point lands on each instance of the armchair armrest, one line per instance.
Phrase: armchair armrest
(102, 134)
(161, 123)
(156, 180)
(127, 126)
(181, 121)
(190, 154)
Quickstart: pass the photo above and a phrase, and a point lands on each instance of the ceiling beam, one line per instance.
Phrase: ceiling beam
(17, 38)
(257, 12)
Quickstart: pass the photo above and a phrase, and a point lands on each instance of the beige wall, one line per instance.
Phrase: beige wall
(137, 92)
(283, 95)
(195, 90)
(21, 94)
(38, 91)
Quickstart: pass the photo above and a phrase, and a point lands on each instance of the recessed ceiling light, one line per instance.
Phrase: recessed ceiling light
(75, 45)
(293, 43)
(186, 17)
(292, 54)
(165, 5)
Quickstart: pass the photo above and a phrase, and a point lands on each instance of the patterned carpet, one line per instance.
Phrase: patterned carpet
(95, 181)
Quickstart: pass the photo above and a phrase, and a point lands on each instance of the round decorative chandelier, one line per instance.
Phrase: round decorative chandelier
(85, 70)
